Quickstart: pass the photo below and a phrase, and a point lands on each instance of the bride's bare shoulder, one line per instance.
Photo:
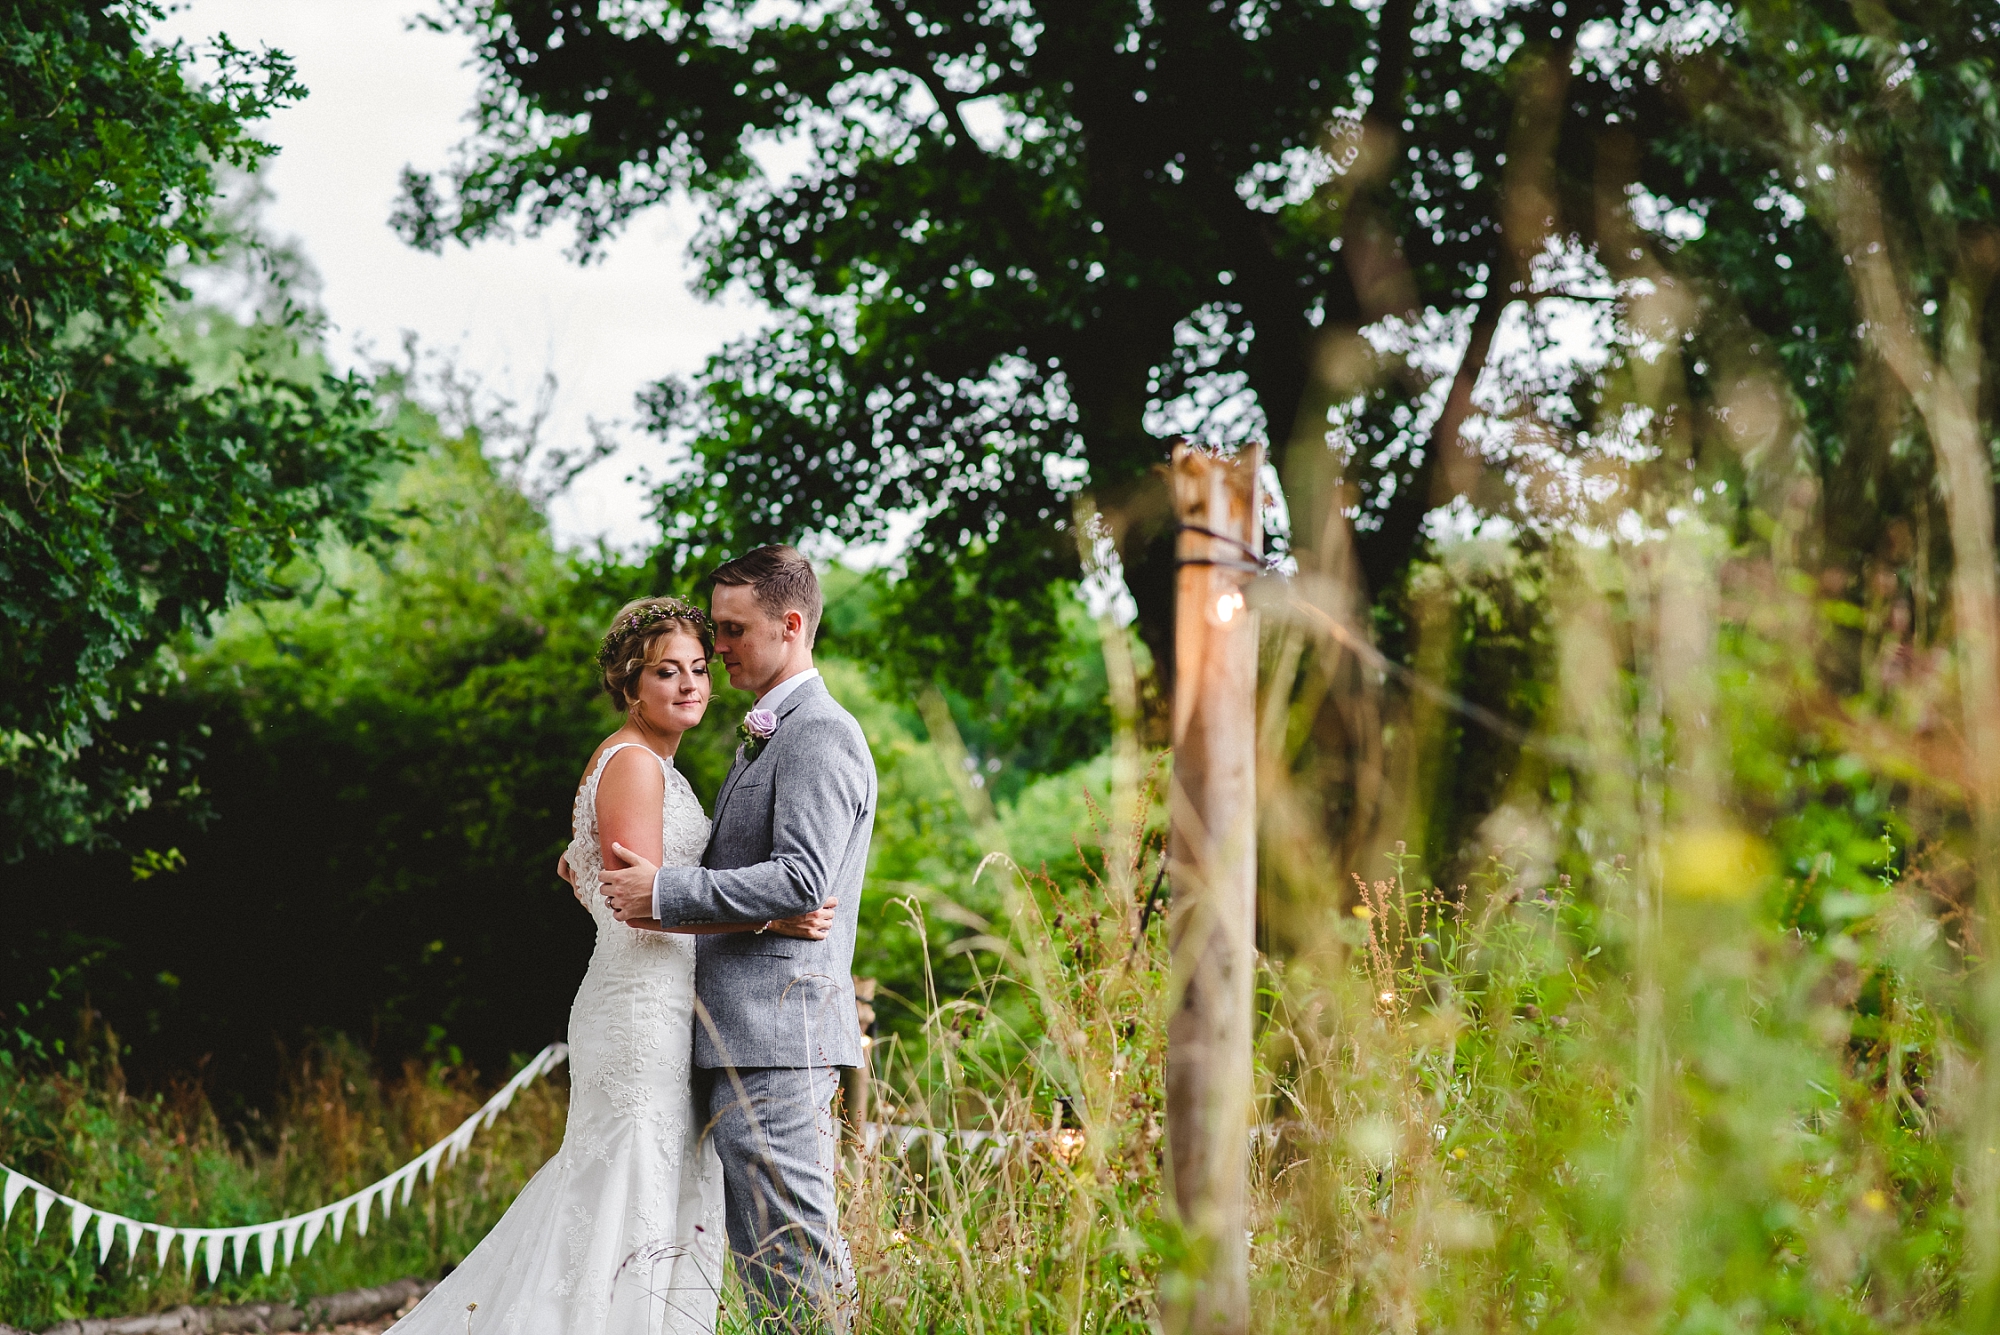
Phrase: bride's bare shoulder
(590, 766)
(634, 771)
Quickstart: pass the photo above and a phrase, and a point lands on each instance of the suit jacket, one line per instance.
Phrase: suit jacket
(791, 830)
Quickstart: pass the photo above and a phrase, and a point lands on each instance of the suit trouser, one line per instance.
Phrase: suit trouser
(774, 1130)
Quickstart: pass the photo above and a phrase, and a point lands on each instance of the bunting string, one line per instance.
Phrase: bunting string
(278, 1239)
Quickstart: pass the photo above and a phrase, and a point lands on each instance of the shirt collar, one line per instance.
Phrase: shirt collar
(774, 697)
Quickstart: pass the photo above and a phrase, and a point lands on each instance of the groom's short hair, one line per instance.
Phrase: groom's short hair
(782, 579)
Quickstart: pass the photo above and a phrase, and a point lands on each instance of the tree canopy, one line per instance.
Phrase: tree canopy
(1003, 219)
(1011, 249)
(138, 497)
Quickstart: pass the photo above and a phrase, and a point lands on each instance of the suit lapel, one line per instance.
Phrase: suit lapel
(785, 707)
(729, 784)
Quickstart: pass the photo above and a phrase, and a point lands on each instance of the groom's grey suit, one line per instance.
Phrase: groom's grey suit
(775, 1015)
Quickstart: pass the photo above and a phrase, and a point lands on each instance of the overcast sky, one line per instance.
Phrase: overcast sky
(384, 95)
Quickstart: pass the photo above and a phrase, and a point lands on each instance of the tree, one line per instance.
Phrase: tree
(1006, 215)
(137, 498)
(1024, 244)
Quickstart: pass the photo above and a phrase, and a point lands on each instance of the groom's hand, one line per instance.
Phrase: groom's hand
(629, 890)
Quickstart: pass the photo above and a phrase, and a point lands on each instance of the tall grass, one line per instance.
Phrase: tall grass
(1680, 1038)
(1684, 1042)
(1467, 1123)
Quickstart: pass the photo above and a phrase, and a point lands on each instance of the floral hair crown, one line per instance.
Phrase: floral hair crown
(645, 618)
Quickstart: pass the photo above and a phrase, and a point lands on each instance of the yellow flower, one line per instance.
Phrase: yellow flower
(1715, 862)
(1875, 1200)
(1363, 912)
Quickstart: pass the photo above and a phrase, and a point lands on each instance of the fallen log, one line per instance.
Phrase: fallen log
(332, 1309)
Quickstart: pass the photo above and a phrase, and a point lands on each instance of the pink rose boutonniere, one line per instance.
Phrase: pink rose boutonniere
(756, 729)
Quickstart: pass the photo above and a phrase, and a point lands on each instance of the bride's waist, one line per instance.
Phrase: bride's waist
(659, 984)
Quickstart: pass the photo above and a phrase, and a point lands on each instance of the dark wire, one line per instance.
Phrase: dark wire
(1262, 561)
(1146, 913)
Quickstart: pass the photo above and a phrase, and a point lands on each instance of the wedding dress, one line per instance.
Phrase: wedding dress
(622, 1230)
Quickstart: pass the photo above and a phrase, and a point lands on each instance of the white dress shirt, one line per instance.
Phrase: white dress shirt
(774, 697)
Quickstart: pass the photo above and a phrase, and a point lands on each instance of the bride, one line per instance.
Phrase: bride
(622, 1230)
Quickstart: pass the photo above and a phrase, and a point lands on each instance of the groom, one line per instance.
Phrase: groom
(774, 1016)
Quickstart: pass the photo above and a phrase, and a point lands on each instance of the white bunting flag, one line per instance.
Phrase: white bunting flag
(79, 1215)
(296, 1233)
(314, 1223)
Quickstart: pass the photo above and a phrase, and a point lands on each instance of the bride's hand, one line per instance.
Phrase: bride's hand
(812, 926)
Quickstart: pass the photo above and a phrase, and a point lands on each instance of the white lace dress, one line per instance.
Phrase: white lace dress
(622, 1230)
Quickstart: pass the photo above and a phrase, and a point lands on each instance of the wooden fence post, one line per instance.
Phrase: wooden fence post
(1212, 853)
(856, 1081)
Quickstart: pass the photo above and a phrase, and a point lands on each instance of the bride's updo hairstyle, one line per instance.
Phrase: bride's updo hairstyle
(638, 637)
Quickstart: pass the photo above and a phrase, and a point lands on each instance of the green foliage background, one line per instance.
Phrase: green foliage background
(139, 498)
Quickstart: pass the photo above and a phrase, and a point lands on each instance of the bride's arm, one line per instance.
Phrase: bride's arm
(629, 797)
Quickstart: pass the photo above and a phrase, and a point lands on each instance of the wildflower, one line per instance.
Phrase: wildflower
(1875, 1200)
(1363, 912)
(1458, 1153)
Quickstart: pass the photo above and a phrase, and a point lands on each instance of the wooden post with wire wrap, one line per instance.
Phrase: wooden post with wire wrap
(1212, 855)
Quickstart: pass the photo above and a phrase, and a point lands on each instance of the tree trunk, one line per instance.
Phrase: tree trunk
(1212, 847)
(1945, 390)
